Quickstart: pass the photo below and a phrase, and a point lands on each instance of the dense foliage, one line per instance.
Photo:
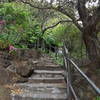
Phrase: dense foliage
(17, 27)
(20, 28)
(16, 23)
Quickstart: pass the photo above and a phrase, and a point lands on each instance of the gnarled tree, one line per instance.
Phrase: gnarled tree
(85, 14)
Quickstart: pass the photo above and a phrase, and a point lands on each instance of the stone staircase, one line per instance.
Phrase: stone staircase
(47, 83)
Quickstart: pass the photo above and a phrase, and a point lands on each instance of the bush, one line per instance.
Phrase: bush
(14, 23)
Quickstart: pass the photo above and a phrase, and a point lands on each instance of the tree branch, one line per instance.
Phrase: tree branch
(59, 9)
(37, 7)
(63, 11)
(63, 21)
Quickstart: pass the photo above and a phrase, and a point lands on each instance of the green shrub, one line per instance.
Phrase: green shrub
(17, 23)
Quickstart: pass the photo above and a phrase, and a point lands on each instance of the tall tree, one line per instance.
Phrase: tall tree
(85, 14)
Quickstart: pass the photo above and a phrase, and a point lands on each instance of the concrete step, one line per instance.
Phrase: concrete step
(48, 67)
(46, 78)
(42, 96)
(49, 72)
(47, 81)
(29, 98)
(44, 85)
(40, 90)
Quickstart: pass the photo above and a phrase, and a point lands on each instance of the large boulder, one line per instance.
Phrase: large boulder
(4, 93)
(24, 68)
(7, 77)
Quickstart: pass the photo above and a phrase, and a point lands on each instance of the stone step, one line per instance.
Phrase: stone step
(29, 98)
(40, 90)
(42, 96)
(48, 67)
(46, 76)
(46, 81)
(37, 85)
(49, 72)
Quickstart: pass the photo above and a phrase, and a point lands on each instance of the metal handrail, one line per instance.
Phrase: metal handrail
(69, 84)
(73, 92)
(97, 90)
(70, 89)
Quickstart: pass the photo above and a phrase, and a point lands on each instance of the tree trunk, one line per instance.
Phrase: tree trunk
(92, 46)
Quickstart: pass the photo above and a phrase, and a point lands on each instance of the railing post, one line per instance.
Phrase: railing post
(69, 79)
(68, 82)
(68, 76)
(70, 91)
(56, 53)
